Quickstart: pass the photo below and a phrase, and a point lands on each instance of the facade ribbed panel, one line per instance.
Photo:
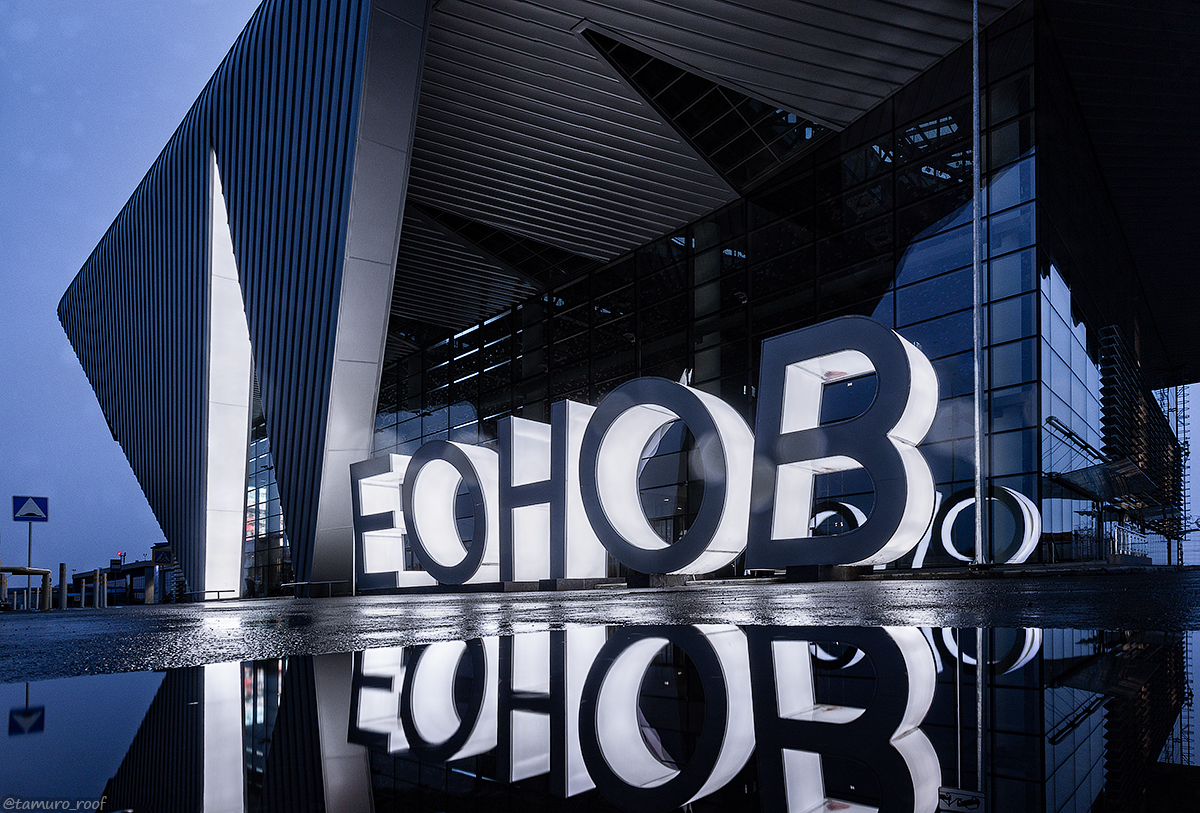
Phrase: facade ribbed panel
(285, 141)
(293, 778)
(164, 767)
(281, 115)
(135, 315)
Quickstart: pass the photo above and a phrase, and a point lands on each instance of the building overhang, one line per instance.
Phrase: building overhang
(1135, 69)
(524, 128)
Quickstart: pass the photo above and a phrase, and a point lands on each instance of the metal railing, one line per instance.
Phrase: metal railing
(1128, 540)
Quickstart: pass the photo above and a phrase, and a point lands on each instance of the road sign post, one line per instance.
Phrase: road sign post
(30, 510)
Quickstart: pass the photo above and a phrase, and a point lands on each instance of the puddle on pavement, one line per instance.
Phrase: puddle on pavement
(706, 718)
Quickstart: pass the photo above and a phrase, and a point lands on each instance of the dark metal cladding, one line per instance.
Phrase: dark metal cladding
(281, 115)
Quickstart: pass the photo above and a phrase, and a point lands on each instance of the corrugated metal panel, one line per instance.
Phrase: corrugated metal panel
(829, 60)
(135, 315)
(442, 280)
(281, 115)
(164, 766)
(288, 104)
(524, 127)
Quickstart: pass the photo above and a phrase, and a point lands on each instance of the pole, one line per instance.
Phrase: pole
(29, 563)
(980, 672)
(958, 680)
(977, 270)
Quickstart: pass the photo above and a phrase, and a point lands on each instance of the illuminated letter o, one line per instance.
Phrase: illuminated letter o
(611, 450)
(1027, 522)
(428, 494)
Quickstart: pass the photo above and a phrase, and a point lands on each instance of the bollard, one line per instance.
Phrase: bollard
(45, 592)
(62, 585)
(148, 598)
(104, 591)
(96, 588)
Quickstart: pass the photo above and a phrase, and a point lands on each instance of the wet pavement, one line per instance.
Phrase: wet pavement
(38, 646)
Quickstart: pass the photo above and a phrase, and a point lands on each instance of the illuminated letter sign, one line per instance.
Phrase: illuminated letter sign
(608, 470)
(544, 532)
(1027, 523)
(429, 494)
(567, 705)
(555, 498)
(792, 446)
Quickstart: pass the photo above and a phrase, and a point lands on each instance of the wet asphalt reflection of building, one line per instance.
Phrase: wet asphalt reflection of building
(652, 718)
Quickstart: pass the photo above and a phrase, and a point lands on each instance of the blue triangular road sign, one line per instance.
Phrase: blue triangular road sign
(26, 721)
(31, 509)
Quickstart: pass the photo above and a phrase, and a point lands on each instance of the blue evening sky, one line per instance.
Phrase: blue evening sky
(89, 94)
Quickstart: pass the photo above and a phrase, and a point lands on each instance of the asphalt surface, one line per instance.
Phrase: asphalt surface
(38, 646)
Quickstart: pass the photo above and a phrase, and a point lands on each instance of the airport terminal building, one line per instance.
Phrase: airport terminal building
(390, 222)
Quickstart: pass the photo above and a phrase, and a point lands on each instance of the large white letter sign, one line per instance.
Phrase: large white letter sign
(608, 473)
(544, 532)
(792, 446)
(1027, 524)
(379, 527)
(429, 493)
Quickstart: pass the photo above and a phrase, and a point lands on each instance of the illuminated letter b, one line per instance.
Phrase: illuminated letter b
(792, 446)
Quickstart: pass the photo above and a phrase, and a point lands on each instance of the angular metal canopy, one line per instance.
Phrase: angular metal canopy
(525, 127)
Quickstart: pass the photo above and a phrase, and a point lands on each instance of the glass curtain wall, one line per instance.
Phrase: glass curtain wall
(266, 557)
(1093, 316)
(874, 221)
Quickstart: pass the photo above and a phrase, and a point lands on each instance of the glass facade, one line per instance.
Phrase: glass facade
(874, 220)
(267, 557)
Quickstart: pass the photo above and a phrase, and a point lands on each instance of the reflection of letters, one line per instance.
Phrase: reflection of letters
(793, 731)
(375, 699)
(433, 725)
(541, 681)
(624, 769)
(1019, 646)
(792, 447)
(524, 698)
(567, 704)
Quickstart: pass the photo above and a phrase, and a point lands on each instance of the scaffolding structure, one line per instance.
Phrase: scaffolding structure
(1174, 404)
